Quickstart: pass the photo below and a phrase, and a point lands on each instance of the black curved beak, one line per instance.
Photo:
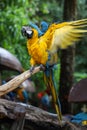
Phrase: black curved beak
(27, 31)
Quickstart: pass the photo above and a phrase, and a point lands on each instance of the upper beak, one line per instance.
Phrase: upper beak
(27, 31)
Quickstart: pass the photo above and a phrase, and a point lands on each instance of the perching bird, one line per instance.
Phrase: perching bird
(22, 94)
(43, 50)
(45, 100)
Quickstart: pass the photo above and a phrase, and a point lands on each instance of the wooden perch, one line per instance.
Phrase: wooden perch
(35, 118)
(32, 113)
(14, 83)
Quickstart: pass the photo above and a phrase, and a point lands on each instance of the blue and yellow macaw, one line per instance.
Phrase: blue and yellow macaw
(22, 94)
(43, 49)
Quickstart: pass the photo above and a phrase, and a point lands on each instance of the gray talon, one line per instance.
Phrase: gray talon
(31, 69)
(42, 67)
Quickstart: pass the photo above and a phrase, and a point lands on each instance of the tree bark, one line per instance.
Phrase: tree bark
(34, 115)
(0, 78)
(67, 60)
(35, 118)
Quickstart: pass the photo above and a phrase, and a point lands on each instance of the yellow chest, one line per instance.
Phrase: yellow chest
(38, 52)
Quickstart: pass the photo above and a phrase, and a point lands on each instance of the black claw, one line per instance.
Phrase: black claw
(31, 69)
(42, 67)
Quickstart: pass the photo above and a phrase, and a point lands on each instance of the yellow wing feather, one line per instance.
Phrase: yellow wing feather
(77, 22)
(67, 33)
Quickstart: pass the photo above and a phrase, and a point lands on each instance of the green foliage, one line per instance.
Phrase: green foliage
(57, 76)
(81, 57)
(78, 76)
(81, 48)
(12, 17)
(82, 9)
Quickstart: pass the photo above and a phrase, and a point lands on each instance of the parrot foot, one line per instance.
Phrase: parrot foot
(42, 67)
(31, 69)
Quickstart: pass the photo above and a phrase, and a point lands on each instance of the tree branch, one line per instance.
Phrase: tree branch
(14, 83)
(32, 113)
(35, 118)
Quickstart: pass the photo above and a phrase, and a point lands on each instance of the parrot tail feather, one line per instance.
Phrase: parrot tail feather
(48, 79)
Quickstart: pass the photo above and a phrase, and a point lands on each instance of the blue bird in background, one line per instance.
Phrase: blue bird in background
(10, 95)
(45, 100)
(22, 94)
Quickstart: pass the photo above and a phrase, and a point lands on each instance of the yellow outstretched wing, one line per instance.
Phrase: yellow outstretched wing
(65, 34)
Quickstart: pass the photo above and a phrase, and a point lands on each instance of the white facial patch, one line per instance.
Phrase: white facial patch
(29, 32)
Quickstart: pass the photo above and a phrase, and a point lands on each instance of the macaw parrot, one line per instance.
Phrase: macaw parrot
(22, 94)
(43, 96)
(43, 50)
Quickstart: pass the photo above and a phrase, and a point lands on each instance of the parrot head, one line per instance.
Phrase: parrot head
(27, 31)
